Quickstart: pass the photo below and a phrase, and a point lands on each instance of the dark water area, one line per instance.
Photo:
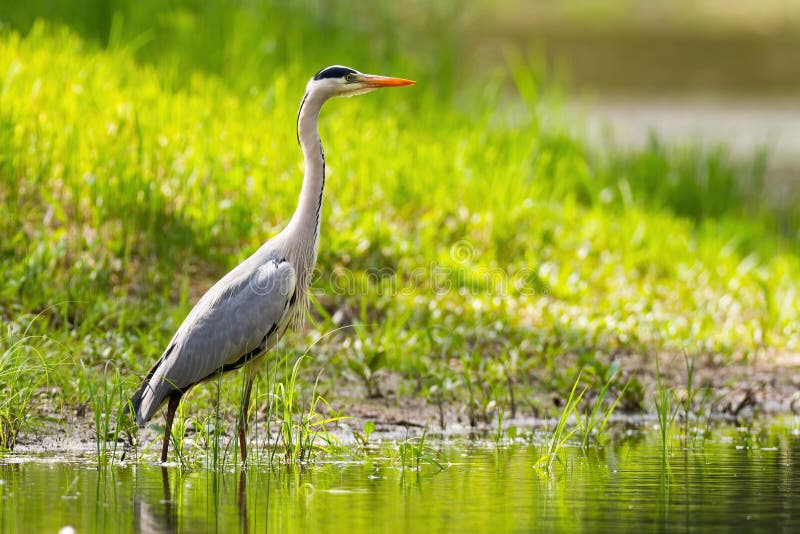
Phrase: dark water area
(736, 482)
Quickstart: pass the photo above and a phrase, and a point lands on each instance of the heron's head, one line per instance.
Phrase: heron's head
(344, 81)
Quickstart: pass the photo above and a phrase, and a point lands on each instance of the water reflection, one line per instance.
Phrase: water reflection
(152, 516)
(155, 511)
(241, 501)
(623, 486)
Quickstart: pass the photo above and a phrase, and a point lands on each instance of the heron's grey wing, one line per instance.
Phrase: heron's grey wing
(237, 322)
(239, 316)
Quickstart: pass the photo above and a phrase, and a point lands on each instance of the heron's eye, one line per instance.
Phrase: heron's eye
(350, 78)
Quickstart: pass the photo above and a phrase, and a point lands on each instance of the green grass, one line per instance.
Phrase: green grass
(25, 374)
(666, 406)
(302, 431)
(561, 434)
(142, 156)
(106, 395)
(413, 453)
(593, 423)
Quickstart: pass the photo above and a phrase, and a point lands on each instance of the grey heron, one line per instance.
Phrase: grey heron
(243, 315)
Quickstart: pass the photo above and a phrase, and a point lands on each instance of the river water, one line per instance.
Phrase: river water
(738, 480)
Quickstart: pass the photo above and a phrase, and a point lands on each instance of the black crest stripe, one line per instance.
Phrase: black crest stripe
(336, 71)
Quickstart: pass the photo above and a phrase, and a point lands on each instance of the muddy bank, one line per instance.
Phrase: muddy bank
(737, 391)
(765, 385)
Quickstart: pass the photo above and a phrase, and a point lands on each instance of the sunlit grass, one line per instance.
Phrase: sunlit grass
(593, 423)
(666, 410)
(561, 434)
(107, 397)
(25, 373)
(505, 244)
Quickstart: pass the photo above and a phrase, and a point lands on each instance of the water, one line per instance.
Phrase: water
(736, 482)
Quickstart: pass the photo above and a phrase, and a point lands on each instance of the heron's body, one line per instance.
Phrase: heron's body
(246, 312)
(234, 323)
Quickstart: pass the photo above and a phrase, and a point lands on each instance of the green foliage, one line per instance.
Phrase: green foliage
(107, 396)
(413, 453)
(666, 409)
(561, 434)
(146, 149)
(363, 437)
(595, 421)
(24, 373)
(298, 430)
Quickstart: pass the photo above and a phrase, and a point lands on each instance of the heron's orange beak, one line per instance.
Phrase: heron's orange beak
(370, 80)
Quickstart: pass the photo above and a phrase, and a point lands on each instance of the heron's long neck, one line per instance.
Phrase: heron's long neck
(305, 222)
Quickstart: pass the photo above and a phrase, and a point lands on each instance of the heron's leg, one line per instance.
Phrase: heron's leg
(243, 416)
(251, 371)
(174, 400)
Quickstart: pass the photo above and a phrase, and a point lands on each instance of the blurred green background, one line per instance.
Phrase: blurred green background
(147, 147)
